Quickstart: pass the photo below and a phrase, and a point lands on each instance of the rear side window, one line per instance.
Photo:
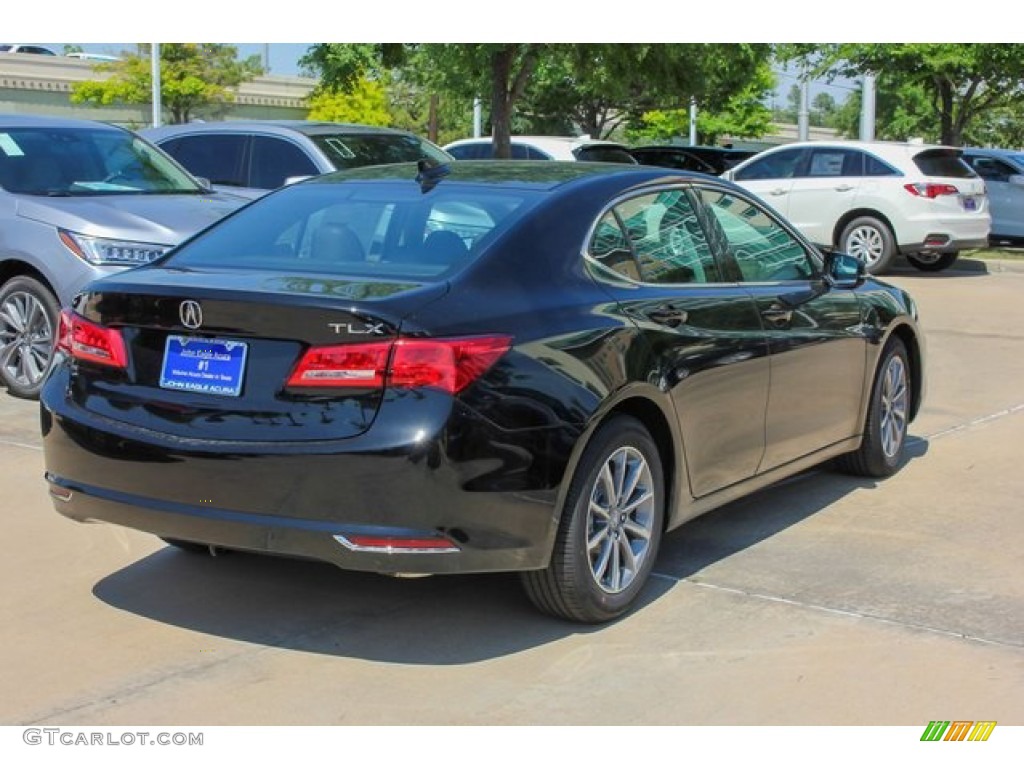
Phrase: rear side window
(943, 162)
(876, 167)
(604, 154)
(363, 229)
(470, 152)
(276, 160)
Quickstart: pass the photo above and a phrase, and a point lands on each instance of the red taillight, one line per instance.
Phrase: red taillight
(84, 340)
(392, 544)
(447, 364)
(351, 365)
(931, 191)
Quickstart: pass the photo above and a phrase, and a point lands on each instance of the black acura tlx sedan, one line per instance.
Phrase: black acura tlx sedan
(533, 367)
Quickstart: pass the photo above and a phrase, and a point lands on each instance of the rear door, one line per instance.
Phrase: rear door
(702, 331)
(825, 188)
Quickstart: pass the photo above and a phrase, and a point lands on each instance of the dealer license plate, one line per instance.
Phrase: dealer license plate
(213, 366)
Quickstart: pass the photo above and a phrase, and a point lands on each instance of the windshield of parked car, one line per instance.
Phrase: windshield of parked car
(352, 150)
(77, 161)
(389, 229)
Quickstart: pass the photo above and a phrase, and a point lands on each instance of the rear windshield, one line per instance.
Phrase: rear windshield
(360, 228)
(600, 153)
(348, 150)
(943, 162)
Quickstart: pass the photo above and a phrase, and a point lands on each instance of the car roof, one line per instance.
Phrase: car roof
(43, 121)
(522, 173)
(273, 127)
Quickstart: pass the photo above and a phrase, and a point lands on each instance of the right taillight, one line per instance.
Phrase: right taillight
(82, 339)
(447, 364)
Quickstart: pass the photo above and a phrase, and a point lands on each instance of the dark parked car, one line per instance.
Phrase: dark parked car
(713, 160)
(1003, 172)
(252, 157)
(520, 366)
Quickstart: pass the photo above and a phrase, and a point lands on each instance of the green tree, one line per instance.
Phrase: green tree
(594, 87)
(743, 115)
(901, 112)
(365, 103)
(195, 78)
(963, 82)
(823, 110)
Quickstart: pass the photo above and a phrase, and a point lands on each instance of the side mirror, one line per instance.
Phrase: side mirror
(844, 271)
(1016, 179)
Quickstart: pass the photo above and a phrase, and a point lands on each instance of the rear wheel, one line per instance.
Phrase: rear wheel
(28, 328)
(610, 528)
(885, 429)
(870, 240)
(933, 262)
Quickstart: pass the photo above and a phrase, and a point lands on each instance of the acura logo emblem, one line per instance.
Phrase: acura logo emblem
(191, 314)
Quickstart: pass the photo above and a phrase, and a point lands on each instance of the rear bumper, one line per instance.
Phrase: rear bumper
(953, 245)
(491, 493)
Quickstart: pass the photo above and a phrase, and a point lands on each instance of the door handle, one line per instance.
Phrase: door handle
(777, 316)
(844, 188)
(777, 191)
(668, 315)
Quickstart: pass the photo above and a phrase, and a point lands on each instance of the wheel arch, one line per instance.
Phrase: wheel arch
(912, 344)
(657, 420)
(856, 213)
(12, 268)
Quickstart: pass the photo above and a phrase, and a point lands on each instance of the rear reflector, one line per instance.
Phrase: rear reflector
(447, 364)
(397, 544)
(931, 191)
(85, 340)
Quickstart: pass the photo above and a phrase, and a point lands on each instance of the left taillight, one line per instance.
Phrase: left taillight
(84, 340)
(447, 364)
(930, 190)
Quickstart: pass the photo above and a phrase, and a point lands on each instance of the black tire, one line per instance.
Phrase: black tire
(191, 547)
(885, 428)
(870, 240)
(29, 314)
(933, 262)
(575, 585)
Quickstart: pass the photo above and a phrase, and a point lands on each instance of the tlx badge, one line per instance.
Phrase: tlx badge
(367, 328)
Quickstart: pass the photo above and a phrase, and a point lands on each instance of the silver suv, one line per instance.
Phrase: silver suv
(79, 200)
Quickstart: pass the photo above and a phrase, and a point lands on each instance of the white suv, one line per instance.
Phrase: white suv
(875, 199)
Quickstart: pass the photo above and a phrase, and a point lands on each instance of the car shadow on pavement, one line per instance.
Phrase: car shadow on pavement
(443, 620)
(743, 523)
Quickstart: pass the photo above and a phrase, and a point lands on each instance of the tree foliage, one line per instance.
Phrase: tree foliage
(195, 78)
(962, 83)
(551, 88)
(743, 116)
(366, 103)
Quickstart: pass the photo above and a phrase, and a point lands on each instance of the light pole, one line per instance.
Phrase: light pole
(154, 65)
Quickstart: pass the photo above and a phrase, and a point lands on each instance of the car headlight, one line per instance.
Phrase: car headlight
(103, 251)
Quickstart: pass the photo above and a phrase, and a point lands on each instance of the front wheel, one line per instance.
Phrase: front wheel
(932, 262)
(28, 329)
(610, 529)
(885, 429)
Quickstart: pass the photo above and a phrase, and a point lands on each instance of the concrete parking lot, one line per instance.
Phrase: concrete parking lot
(824, 600)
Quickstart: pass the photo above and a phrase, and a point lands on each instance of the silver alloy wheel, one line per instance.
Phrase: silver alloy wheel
(620, 520)
(866, 243)
(26, 339)
(893, 422)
